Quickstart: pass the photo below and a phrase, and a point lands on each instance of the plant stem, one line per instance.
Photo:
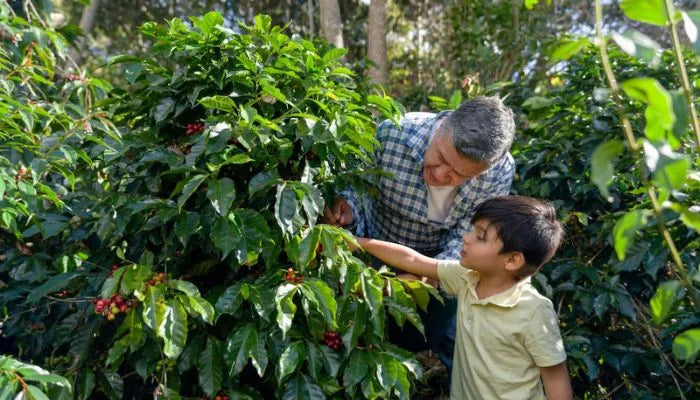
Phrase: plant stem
(682, 71)
(634, 147)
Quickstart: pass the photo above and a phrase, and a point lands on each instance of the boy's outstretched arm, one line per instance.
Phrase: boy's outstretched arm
(557, 385)
(401, 257)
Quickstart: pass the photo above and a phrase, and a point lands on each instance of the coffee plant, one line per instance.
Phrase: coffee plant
(627, 281)
(163, 238)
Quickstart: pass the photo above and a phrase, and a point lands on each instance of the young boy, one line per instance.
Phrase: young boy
(507, 333)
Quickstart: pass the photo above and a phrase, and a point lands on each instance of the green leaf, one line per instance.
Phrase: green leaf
(111, 284)
(111, 384)
(625, 231)
(190, 187)
(36, 393)
(221, 193)
(530, 4)
(208, 22)
(173, 328)
(284, 299)
(640, 46)
(302, 388)
(269, 89)
(665, 298)
(263, 180)
(649, 11)
(333, 54)
(134, 278)
(659, 112)
(186, 224)
(242, 345)
(689, 216)
(163, 110)
(231, 299)
(306, 251)
(356, 369)
(538, 102)
(691, 23)
(222, 103)
(603, 165)
(669, 169)
(210, 367)
(568, 50)
(290, 360)
(372, 287)
(455, 100)
(687, 345)
(287, 210)
(52, 285)
(154, 306)
(86, 383)
(320, 295)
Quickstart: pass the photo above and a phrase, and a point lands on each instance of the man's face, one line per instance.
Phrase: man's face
(445, 166)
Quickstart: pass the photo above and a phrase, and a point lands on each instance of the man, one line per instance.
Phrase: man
(443, 166)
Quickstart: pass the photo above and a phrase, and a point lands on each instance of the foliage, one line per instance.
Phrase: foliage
(24, 381)
(621, 334)
(192, 227)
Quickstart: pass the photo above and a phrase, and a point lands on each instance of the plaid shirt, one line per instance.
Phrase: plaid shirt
(400, 213)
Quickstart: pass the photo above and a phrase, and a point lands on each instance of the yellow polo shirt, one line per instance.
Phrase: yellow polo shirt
(502, 340)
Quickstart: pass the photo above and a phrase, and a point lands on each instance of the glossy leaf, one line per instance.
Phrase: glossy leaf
(221, 193)
(603, 165)
(687, 345)
(626, 230)
(659, 112)
(290, 359)
(665, 298)
(649, 11)
(173, 328)
(210, 367)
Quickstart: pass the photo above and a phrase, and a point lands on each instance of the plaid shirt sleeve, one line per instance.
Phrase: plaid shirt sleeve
(502, 177)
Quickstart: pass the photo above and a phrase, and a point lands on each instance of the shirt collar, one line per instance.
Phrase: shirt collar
(507, 298)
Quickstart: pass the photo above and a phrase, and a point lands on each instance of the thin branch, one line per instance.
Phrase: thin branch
(634, 147)
(682, 71)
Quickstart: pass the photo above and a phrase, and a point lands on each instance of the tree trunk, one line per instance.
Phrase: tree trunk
(376, 42)
(86, 21)
(331, 24)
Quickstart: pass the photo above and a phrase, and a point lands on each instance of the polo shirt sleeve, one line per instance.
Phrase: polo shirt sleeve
(451, 276)
(542, 338)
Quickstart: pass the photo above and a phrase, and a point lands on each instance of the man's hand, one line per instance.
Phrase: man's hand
(339, 215)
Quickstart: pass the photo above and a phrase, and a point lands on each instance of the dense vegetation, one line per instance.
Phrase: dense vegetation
(163, 237)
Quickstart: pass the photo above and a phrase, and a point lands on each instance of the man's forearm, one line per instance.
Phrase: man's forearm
(401, 257)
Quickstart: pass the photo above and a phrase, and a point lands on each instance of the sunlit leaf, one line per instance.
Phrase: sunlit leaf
(649, 11)
(659, 112)
(626, 230)
(665, 298)
(687, 345)
(603, 165)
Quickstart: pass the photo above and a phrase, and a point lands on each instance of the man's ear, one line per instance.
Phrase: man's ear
(514, 261)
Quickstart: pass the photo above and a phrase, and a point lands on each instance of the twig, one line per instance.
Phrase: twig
(682, 71)
(634, 147)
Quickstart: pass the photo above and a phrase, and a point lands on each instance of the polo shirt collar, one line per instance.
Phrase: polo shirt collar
(508, 298)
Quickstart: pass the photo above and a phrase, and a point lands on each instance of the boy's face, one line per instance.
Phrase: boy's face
(481, 249)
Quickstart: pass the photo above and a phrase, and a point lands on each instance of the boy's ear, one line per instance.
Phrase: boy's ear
(514, 261)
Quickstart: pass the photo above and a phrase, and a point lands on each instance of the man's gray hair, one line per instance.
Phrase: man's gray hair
(482, 129)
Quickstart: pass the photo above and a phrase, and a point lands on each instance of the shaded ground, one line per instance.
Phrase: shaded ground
(436, 379)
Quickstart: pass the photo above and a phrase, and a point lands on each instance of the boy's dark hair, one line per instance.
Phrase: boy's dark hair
(524, 224)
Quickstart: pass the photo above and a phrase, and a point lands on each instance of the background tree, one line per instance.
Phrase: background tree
(331, 22)
(376, 42)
